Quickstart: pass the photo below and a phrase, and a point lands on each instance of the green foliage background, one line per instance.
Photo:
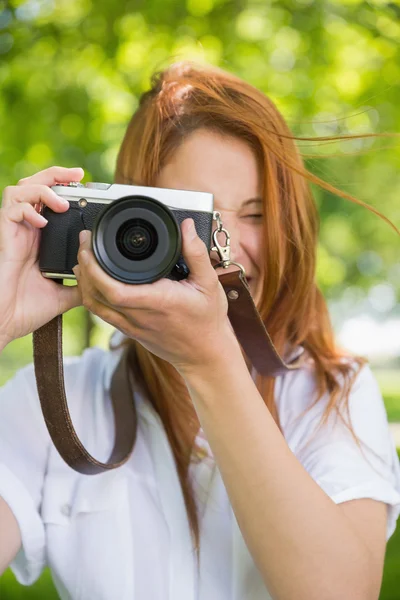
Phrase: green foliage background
(71, 73)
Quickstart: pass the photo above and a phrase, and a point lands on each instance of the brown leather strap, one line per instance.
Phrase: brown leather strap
(48, 363)
(249, 328)
(49, 371)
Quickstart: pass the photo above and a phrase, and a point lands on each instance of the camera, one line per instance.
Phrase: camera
(136, 235)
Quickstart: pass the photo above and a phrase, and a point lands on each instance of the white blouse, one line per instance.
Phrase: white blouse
(124, 534)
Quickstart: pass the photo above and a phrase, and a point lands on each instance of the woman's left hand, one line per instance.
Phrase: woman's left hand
(183, 322)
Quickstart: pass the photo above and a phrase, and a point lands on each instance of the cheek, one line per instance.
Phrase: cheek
(254, 244)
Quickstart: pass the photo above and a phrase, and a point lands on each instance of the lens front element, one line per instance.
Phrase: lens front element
(137, 239)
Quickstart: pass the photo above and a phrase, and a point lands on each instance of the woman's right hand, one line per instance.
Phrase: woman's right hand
(27, 299)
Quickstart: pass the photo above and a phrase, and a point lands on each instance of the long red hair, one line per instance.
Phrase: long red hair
(187, 96)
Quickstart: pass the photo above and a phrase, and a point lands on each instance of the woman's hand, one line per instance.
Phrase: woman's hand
(183, 322)
(29, 300)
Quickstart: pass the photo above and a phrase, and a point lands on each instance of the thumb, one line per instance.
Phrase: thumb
(69, 297)
(196, 256)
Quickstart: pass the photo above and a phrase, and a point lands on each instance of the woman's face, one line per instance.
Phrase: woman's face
(226, 167)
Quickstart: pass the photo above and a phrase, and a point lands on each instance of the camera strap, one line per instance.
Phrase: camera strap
(48, 364)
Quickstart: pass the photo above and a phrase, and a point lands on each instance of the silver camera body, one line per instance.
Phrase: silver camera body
(136, 235)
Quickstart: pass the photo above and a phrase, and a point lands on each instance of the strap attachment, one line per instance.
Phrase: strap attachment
(224, 252)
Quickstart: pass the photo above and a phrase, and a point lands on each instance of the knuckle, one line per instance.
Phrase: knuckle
(8, 190)
(41, 190)
(197, 250)
(54, 169)
(167, 302)
(18, 208)
(87, 301)
(79, 256)
(56, 172)
(8, 193)
(26, 206)
(117, 295)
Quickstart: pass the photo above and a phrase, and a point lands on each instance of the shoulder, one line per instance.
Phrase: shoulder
(319, 434)
(299, 412)
(303, 383)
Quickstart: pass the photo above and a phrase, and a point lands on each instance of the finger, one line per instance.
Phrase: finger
(54, 175)
(115, 319)
(197, 258)
(116, 293)
(137, 320)
(33, 194)
(24, 212)
(106, 313)
(87, 288)
(69, 297)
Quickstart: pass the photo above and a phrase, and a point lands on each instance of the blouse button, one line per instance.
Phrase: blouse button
(66, 510)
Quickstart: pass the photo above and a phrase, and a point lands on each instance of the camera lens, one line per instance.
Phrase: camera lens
(136, 239)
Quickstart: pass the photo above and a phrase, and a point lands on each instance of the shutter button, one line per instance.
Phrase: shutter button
(66, 510)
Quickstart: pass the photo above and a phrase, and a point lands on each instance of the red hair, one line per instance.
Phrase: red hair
(183, 98)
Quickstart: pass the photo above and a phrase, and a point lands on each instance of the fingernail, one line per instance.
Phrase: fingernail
(83, 236)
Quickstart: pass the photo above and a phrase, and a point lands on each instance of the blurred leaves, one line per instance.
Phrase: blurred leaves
(72, 71)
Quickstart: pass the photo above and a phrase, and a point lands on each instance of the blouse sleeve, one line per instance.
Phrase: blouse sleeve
(24, 441)
(330, 453)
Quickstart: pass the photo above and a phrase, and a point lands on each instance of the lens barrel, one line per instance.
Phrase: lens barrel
(137, 239)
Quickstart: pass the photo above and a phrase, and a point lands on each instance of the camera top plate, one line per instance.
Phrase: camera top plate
(101, 192)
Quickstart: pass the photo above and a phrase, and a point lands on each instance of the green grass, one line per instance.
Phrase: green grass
(389, 383)
(392, 404)
(389, 380)
(43, 589)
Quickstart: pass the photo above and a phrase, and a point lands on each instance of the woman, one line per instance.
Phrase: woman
(238, 486)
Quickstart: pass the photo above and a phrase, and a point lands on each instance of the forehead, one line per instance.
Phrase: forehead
(221, 164)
